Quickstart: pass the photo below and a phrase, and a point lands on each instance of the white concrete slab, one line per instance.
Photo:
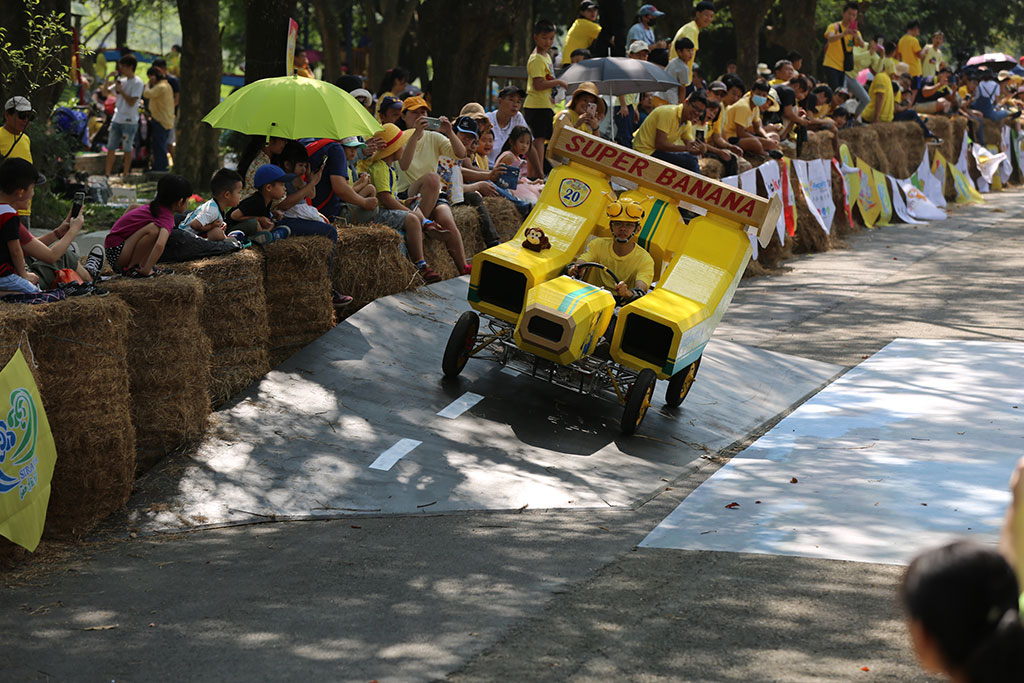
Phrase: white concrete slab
(302, 442)
(910, 449)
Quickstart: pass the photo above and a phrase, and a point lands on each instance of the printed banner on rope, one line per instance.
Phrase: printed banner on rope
(734, 181)
(1006, 168)
(772, 178)
(846, 193)
(868, 201)
(938, 169)
(899, 203)
(919, 205)
(816, 181)
(988, 165)
(965, 190)
(885, 215)
(27, 456)
(925, 181)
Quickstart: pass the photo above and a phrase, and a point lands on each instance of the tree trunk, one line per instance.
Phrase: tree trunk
(197, 149)
(386, 37)
(796, 16)
(460, 67)
(266, 38)
(329, 24)
(747, 24)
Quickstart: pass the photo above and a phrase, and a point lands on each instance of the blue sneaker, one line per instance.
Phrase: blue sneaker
(281, 232)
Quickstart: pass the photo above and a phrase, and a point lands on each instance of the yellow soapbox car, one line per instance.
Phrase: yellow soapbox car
(548, 325)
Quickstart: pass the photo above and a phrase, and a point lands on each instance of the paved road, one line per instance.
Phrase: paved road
(537, 595)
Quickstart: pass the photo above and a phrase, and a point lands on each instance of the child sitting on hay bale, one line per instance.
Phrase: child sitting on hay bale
(207, 219)
(395, 214)
(513, 154)
(18, 179)
(270, 186)
(475, 184)
(137, 239)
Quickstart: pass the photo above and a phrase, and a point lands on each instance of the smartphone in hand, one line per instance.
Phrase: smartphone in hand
(592, 108)
(432, 123)
(76, 206)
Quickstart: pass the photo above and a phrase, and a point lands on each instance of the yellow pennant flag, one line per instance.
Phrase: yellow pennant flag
(868, 202)
(27, 455)
(882, 190)
(852, 179)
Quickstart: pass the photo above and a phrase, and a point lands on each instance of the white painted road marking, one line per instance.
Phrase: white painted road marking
(460, 405)
(386, 460)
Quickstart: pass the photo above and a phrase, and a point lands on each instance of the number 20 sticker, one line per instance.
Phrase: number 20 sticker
(573, 192)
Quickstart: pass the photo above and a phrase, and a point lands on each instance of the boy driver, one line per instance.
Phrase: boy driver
(620, 253)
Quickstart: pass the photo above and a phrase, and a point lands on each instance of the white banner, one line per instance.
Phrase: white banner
(773, 183)
(816, 181)
(918, 204)
(1006, 167)
(988, 162)
(929, 184)
(734, 181)
(899, 204)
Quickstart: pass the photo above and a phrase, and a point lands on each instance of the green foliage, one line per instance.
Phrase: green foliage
(37, 59)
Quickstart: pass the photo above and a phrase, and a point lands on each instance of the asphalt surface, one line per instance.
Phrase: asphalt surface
(535, 595)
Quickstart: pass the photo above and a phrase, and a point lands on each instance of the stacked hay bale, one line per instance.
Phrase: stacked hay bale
(863, 143)
(80, 348)
(168, 363)
(505, 216)
(711, 168)
(234, 318)
(436, 253)
(818, 145)
(298, 287)
(370, 264)
(468, 220)
(904, 147)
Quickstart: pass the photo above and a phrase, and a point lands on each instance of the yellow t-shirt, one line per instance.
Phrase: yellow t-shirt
(667, 118)
(882, 84)
(931, 61)
(431, 147)
(636, 265)
(742, 114)
(573, 120)
(538, 66)
(482, 162)
(909, 47)
(9, 149)
(161, 103)
(834, 50)
(692, 32)
(581, 34)
(382, 176)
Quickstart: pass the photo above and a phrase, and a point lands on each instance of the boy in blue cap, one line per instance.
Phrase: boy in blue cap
(270, 186)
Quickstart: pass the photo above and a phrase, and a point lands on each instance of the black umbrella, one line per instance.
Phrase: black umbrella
(619, 75)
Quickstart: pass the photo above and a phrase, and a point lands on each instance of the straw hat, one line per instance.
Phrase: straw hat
(394, 140)
(475, 111)
(589, 88)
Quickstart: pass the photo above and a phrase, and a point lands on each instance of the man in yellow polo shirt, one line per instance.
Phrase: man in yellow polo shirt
(703, 14)
(911, 53)
(667, 133)
(14, 144)
(840, 38)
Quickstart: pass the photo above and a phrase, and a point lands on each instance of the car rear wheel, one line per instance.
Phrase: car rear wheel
(638, 400)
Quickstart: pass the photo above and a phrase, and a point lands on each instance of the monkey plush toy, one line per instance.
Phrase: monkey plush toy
(536, 240)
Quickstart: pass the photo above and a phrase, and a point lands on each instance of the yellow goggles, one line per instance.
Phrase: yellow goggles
(632, 209)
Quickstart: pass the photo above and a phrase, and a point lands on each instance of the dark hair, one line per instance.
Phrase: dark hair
(581, 52)
(852, 5)
(17, 174)
(294, 152)
(390, 76)
(704, 5)
(175, 48)
(348, 82)
(965, 596)
(252, 147)
(170, 189)
(913, 24)
(800, 81)
(822, 88)
(154, 72)
(733, 81)
(659, 56)
(782, 63)
(543, 26)
(160, 61)
(761, 85)
(698, 96)
(794, 56)
(515, 134)
(683, 44)
(129, 60)
(891, 46)
(224, 180)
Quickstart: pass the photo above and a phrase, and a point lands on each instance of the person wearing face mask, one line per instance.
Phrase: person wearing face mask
(743, 127)
(643, 29)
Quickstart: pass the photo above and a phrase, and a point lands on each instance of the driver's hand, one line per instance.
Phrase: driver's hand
(573, 270)
(622, 290)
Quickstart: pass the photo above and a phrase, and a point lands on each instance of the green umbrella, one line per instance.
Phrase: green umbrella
(293, 107)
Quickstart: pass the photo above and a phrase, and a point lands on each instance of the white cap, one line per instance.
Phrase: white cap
(638, 46)
(362, 94)
(18, 103)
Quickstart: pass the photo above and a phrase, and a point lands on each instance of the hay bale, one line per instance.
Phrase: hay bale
(943, 127)
(80, 347)
(505, 216)
(904, 146)
(436, 253)
(863, 143)
(168, 363)
(711, 168)
(818, 145)
(234, 317)
(298, 287)
(370, 265)
(468, 221)
(769, 258)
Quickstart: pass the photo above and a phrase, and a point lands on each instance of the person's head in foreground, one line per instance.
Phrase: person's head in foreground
(624, 216)
(963, 613)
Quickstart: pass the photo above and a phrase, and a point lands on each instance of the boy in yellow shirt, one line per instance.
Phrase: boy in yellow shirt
(538, 107)
(619, 253)
(703, 14)
(583, 32)
(742, 125)
(911, 53)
